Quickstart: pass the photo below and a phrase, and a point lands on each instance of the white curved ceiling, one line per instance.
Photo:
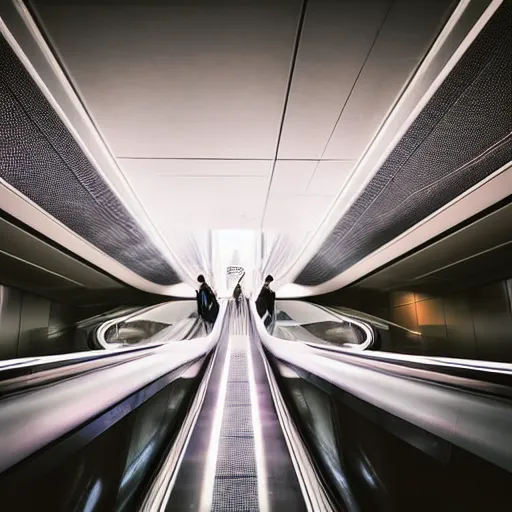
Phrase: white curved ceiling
(212, 121)
(190, 96)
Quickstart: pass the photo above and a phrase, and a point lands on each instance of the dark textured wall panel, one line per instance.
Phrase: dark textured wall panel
(40, 158)
(432, 325)
(35, 318)
(10, 314)
(463, 135)
(492, 321)
(459, 327)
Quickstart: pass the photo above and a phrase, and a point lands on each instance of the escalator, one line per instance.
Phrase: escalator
(238, 457)
(395, 432)
(242, 420)
(174, 321)
(320, 326)
(85, 431)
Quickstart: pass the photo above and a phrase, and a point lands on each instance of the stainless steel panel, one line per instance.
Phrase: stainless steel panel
(405, 316)
(493, 322)
(493, 230)
(509, 289)
(432, 325)
(35, 317)
(31, 249)
(459, 327)
(10, 311)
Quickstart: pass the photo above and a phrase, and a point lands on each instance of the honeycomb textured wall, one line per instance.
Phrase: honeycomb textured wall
(462, 136)
(40, 158)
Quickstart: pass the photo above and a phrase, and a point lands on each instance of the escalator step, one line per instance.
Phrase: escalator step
(236, 483)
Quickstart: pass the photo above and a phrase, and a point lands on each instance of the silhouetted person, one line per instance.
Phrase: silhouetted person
(266, 300)
(237, 293)
(207, 305)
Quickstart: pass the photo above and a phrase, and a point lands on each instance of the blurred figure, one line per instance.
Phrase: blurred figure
(237, 292)
(266, 301)
(207, 305)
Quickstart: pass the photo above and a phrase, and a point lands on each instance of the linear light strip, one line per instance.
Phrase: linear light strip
(206, 500)
(261, 469)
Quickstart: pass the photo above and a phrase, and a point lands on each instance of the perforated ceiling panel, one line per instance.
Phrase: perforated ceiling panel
(40, 158)
(462, 135)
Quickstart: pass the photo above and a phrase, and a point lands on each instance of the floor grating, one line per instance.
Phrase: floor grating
(236, 484)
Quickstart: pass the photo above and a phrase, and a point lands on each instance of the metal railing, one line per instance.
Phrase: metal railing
(36, 415)
(472, 411)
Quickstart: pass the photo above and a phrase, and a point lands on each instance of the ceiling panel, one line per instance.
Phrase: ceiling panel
(149, 168)
(335, 40)
(194, 79)
(296, 213)
(189, 97)
(410, 28)
(180, 202)
(330, 176)
(292, 176)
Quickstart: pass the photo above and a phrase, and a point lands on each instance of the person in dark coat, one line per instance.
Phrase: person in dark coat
(266, 300)
(237, 292)
(207, 305)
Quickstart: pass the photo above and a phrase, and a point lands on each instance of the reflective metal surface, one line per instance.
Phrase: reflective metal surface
(172, 321)
(379, 455)
(237, 458)
(312, 324)
(468, 419)
(69, 403)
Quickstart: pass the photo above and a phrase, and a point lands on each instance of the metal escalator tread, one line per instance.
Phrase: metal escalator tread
(236, 482)
(234, 461)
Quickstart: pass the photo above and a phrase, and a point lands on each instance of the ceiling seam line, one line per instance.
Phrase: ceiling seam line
(350, 92)
(187, 158)
(163, 175)
(291, 72)
(229, 159)
(358, 77)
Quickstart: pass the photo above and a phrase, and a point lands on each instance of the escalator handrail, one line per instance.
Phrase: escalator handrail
(488, 371)
(102, 343)
(101, 330)
(476, 422)
(27, 367)
(364, 326)
(31, 420)
(22, 371)
(370, 334)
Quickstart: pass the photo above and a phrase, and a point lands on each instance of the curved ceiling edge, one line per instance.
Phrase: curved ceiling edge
(17, 25)
(464, 25)
(482, 196)
(23, 209)
(43, 160)
(461, 137)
